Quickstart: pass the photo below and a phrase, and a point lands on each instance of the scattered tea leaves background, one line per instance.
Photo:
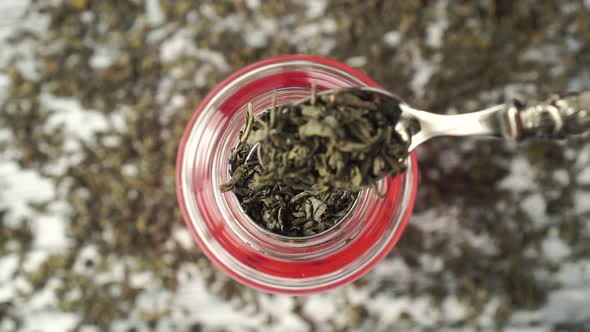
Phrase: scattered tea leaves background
(94, 96)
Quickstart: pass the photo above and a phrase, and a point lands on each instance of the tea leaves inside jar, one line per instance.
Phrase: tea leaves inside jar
(276, 206)
(347, 139)
(313, 160)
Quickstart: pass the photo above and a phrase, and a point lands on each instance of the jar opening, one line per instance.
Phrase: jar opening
(288, 213)
(256, 235)
(233, 241)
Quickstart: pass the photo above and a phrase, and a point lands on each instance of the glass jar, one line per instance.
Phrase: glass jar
(246, 251)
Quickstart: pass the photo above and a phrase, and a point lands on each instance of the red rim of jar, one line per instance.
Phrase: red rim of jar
(180, 158)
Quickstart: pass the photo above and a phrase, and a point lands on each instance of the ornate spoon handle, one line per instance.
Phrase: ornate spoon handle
(556, 117)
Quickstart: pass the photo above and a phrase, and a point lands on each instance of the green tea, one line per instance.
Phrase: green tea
(298, 168)
(276, 206)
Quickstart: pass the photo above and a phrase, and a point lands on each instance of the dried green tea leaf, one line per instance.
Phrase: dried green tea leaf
(276, 206)
(344, 141)
(314, 158)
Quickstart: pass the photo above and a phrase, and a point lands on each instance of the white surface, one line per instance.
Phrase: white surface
(423, 71)
(154, 13)
(436, 29)
(78, 123)
(392, 38)
(20, 186)
(521, 176)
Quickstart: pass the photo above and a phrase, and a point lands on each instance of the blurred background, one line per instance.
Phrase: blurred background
(94, 96)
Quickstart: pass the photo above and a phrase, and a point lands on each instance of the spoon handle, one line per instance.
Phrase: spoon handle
(556, 117)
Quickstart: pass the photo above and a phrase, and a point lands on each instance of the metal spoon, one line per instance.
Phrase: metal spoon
(554, 118)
